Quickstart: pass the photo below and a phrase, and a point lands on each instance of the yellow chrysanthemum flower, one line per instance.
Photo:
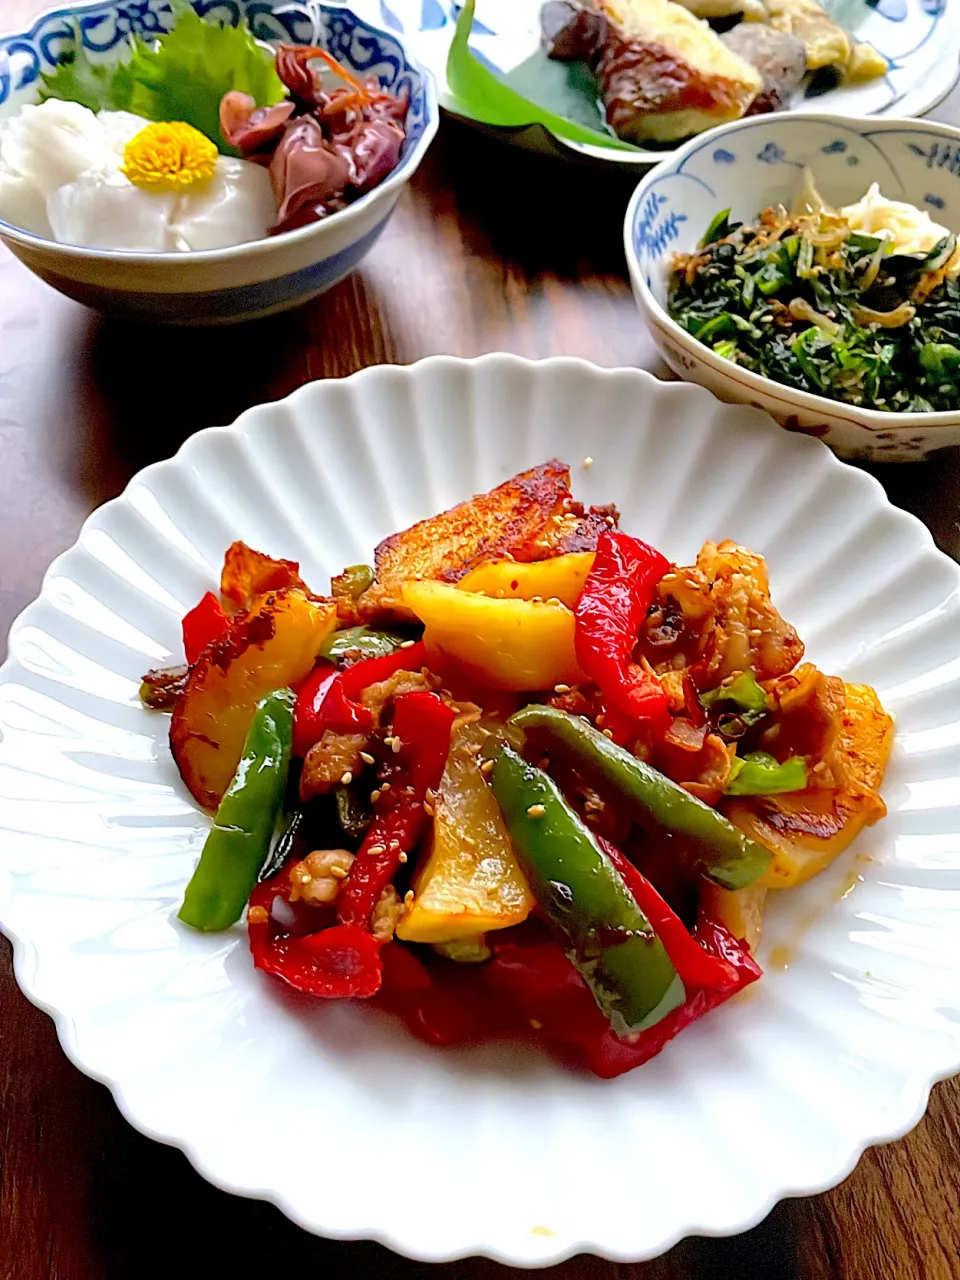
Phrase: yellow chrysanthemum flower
(169, 156)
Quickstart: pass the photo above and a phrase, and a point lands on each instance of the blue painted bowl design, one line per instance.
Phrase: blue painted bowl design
(245, 281)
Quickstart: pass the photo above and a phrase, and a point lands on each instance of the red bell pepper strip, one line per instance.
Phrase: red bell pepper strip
(362, 675)
(344, 960)
(289, 951)
(696, 967)
(422, 722)
(329, 699)
(531, 988)
(318, 707)
(204, 623)
(609, 612)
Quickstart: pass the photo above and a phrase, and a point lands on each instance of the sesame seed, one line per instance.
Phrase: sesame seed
(536, 811)
(407, 644)
(388, 742)
(536, 599)
(726, 681)
(304, 878)
(347, 778)
(395, 745)
(366, 757)
(384, 786)
(536, 1024)
(408, 898)
(587, 463)
(428, 809)
(554, 600)
(469, 842)
(374, 797)
(669, 577)
(608, 733)
(338, 873)
(561, 688)
(755, 631)
(394, 845)
(487, 766)
(401, 856)
(375, 850)
(430, 795)
(609, 521)
(501, 594)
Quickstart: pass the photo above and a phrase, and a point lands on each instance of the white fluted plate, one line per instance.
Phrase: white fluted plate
(335, 1113)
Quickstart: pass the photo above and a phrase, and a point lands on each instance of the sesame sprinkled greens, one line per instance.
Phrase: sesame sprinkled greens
(808, 302)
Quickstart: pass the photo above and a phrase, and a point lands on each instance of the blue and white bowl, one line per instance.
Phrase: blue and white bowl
(757, 162)
(218, 286)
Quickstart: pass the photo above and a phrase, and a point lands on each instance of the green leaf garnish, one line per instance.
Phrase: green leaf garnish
(97, 86)
(183, 78)
(479, 95)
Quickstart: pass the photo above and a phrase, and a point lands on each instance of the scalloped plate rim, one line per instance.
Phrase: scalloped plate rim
(905, 1112)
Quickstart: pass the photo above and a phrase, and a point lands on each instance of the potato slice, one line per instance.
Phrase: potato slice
(738, 910)
(866, 735)
(510, 644)
(248, 573)
(560, 578)
(805, 830)
(485, 528)
(270, 646)
(469, 882)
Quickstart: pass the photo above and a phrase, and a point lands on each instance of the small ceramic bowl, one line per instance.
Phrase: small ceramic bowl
(757, 162)
(218, 286)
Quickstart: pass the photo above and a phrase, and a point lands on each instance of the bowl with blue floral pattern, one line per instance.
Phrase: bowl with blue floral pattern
(327, 229)
(812, 379)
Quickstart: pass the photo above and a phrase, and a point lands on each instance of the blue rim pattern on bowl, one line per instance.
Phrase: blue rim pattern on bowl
(241, 281)
(760, 161)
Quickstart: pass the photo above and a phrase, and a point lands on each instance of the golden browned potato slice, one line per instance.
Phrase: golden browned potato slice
(247, 574)
(866, 735)
(272, 645)
(804, 831)
(487, 527)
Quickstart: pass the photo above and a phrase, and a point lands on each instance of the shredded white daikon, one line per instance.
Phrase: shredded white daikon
(907, 228)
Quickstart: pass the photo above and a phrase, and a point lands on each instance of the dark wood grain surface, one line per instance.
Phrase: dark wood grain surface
(489, 250)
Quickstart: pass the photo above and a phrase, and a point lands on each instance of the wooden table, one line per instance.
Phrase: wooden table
(490, 250)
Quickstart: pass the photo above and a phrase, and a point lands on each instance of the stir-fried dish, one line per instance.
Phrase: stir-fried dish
(523, 776)
(861, 304)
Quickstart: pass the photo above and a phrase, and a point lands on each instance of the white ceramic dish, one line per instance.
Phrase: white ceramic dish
(919, 38)
(754, 163)
(775, 1094)
(217, 286)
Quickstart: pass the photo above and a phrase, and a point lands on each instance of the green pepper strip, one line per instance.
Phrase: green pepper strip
(730, 858)
(608, 938)
(759, 774)
(743, 692)
(239, 841)
(367, 643)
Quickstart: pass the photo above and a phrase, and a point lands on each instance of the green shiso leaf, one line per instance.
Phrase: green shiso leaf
(183, 78)
(479, 95)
